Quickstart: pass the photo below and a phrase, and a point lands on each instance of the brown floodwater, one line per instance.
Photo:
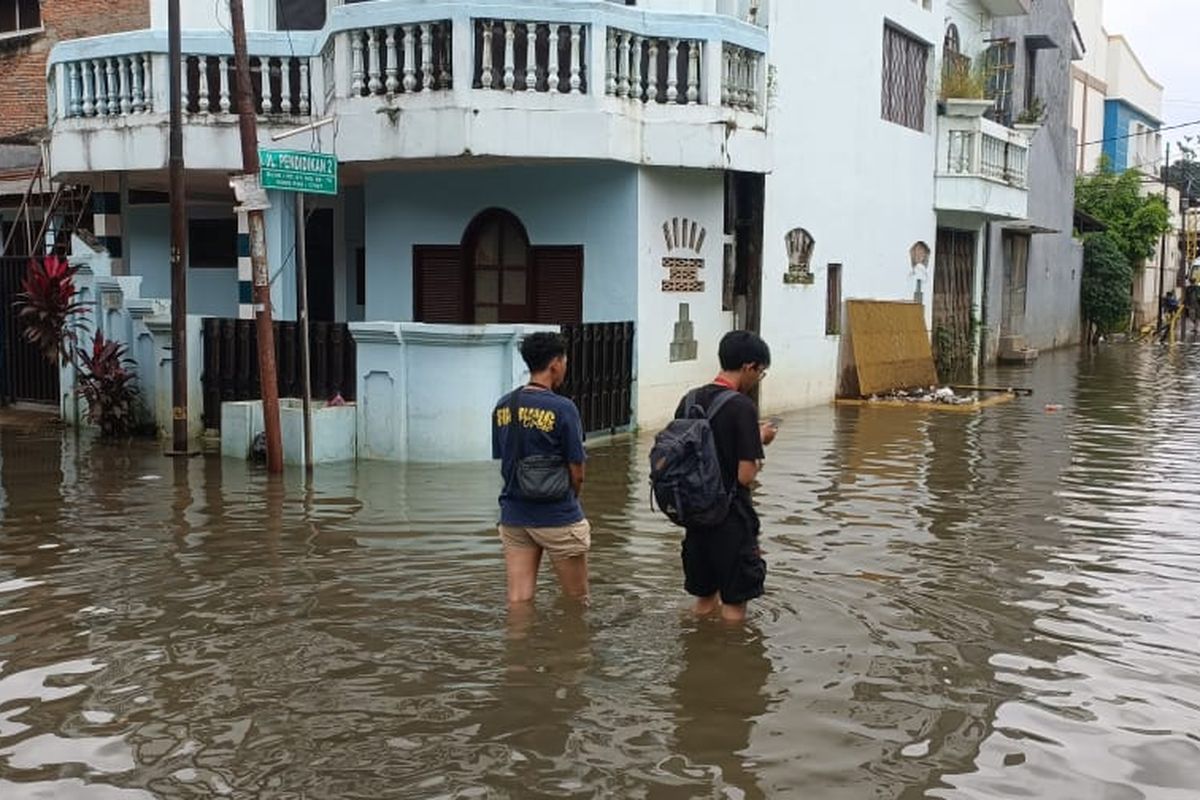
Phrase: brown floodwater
(997, 605)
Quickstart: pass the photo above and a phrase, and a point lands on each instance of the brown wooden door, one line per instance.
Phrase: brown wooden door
(953, 293)
(1016, 282)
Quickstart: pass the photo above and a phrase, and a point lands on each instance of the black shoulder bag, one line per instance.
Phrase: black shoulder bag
(537, 478)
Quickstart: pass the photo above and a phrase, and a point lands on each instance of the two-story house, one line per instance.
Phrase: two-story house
(648, 175)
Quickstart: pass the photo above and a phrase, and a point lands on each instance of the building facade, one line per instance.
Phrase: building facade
(1118, 109)
(681, 166)
(1035, 265)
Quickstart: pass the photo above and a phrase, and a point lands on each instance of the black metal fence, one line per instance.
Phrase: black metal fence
(231, 362)
(600, 373)
(26, 376)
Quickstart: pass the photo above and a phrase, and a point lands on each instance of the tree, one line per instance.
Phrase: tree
(1184, 174)
(1107, 277)
(1135, 221)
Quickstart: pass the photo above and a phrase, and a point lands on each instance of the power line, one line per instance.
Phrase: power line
(1135, 135)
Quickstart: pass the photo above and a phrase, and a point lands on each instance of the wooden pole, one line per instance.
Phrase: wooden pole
(248, 127)
(177, 190)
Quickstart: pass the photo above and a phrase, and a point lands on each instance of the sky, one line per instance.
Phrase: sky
(1162, 33)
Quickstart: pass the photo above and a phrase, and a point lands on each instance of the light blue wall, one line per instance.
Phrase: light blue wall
(592, 205)
(211, 292)
(1119, 117)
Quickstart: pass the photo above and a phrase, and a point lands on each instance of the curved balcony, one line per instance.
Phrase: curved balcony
(983, 168)
(584, 79)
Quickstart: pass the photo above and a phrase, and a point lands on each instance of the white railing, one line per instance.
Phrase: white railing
(280, 85)
(385, 50)
(652, 69)
(117, 86)
(401, 59)
(109, 87)
(530, 56)
(978, 147)
(741, 78)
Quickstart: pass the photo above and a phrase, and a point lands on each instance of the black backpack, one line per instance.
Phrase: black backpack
(685, 472)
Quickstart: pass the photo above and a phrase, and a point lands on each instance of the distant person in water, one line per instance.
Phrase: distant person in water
(537, 436)
(1191, 308)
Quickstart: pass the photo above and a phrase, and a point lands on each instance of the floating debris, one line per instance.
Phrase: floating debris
(941, 396)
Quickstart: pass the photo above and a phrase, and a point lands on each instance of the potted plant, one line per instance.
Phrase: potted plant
(1031, 118)
(964, 91)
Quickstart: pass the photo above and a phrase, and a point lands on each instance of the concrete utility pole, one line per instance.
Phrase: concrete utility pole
(254, 201)
(177, 191)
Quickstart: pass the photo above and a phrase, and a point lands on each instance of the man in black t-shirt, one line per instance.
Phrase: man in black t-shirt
(722, 565)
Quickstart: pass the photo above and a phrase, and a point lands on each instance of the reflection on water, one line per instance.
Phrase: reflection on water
(981, 606)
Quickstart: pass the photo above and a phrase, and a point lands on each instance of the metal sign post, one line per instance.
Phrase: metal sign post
(313, 173)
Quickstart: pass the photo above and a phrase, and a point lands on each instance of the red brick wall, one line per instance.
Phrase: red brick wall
(23, 62)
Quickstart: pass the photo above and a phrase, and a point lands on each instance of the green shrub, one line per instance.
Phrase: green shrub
(1107, 281)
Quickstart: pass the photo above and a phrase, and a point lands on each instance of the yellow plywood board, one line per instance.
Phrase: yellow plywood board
(889, 346)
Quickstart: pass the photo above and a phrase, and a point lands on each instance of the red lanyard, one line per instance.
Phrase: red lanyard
(721, 381)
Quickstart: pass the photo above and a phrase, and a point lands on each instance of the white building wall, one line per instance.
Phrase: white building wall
(663, 196)
(1128, 80)
(1087, 117)
(1089, 18)
(1089, 88)
(863, 187)
(214, 15)
(974, 27)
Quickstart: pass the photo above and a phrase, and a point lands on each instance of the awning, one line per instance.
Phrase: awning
(1086, 223)
(1028, 227)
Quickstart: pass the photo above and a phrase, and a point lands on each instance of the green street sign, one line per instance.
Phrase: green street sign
(296, 171)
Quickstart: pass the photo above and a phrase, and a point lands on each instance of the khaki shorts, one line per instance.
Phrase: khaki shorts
(568, 541)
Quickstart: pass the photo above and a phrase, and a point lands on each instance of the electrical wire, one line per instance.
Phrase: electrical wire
(1135, 135)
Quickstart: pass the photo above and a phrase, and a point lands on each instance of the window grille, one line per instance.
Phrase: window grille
(905, 62)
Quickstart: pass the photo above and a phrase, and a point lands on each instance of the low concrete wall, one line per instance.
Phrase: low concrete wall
(426, 392)
(334, 430)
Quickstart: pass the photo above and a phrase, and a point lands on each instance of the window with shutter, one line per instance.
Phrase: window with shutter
(558, 285)
(438, 284)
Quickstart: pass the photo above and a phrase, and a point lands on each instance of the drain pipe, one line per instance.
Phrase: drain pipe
(982, 338)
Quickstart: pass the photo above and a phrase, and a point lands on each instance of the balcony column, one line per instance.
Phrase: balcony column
(342, 58)
(160, 83)
(63, 100)
(462, 58)
(712, 72)
(596, 53)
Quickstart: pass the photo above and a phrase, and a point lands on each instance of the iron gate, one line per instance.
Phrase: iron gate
(600, 373)
(26, 376)
(231, 362)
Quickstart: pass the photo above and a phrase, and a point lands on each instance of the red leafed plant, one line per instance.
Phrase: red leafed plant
(48, 310)
(108, 386)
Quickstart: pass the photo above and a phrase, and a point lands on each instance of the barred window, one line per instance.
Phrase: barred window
(20, 15)
(905, 61)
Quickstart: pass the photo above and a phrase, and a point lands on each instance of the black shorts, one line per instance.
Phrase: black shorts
(725, 559)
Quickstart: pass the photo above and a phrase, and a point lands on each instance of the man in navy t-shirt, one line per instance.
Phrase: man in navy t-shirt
(550, 429)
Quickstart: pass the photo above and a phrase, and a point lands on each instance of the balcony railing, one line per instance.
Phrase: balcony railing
(401, 59)
(530, 56)
(623, 66)
(973, 146)
(126, 75)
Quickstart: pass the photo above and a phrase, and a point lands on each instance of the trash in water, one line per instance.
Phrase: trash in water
(941, 396)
